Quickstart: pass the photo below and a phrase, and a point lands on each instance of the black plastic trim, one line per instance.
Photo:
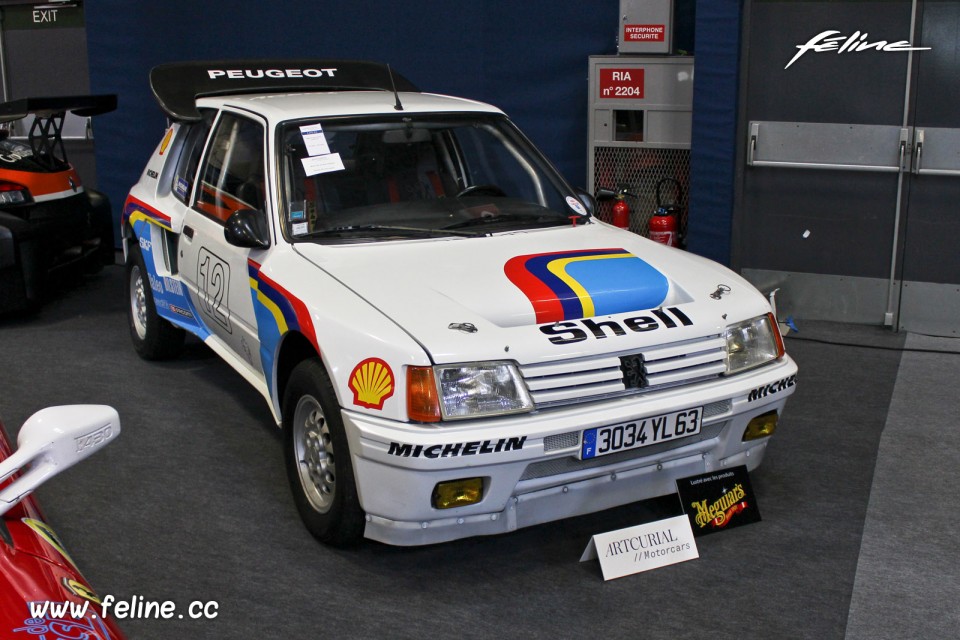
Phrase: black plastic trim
(177, 85)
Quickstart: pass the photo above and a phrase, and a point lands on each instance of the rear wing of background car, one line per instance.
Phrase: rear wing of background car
(177, 85)
(45, 135)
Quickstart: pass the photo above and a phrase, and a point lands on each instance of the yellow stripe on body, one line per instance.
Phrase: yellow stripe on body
(271, 306)
(137, 216)
(559, 269)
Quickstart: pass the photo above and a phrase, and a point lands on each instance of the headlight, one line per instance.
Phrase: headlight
(753, 343)
(475, 390)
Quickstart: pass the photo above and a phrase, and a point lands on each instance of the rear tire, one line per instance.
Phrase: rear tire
(153, 337)
(319, 467)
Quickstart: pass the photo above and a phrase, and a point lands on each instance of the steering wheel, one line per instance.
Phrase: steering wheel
(482, 189)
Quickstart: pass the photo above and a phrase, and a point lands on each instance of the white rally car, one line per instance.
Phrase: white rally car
(451, 342)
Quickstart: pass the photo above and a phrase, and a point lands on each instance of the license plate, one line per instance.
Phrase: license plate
(644, 432)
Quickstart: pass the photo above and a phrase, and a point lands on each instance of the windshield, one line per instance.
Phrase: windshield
(365, 179)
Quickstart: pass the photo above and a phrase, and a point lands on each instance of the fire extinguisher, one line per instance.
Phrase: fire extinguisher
(664, 223)
(621, 210)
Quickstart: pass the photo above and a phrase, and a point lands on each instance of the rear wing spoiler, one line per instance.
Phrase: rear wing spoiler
(45, 135)
(83, 106)
(177, 86)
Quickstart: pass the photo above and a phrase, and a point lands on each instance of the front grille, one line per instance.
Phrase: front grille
(593, 378)
(561, 441)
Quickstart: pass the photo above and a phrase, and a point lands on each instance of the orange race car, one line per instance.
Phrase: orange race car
(48, 221)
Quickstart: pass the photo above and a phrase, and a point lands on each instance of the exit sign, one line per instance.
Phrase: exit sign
(42, 16)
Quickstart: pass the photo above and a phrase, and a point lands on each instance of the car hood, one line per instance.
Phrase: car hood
(473, 298)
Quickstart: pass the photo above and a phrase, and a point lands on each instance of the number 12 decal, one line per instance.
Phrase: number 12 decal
(213, 283)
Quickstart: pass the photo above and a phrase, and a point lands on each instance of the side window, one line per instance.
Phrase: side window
(189, 160)
(233, 172)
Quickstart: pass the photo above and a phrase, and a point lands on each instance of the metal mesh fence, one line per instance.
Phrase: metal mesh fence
(639, 170)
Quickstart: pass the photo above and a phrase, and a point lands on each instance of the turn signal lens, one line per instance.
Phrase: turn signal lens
(781, 349)
(423, 403)
(457, 493)
(761, 427)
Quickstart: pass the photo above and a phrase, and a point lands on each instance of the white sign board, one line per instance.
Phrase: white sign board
(322, 164)
(314, 140)
(643, 547)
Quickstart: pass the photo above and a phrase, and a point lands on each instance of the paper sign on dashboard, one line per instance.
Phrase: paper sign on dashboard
(322, 164)
(314, 139)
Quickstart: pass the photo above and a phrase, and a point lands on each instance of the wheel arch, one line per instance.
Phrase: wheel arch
(127, 237)
(294, 349)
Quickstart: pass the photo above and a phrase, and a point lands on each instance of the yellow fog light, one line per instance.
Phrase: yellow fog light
(457, 493)
(762, 426)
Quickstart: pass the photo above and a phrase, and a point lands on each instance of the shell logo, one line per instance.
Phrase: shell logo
(166, 141)
(372, 383)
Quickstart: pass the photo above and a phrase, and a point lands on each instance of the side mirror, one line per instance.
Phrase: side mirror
(589, 202)
(247, 228)
(54, 439)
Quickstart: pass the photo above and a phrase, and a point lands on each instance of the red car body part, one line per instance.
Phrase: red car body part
(34, 566)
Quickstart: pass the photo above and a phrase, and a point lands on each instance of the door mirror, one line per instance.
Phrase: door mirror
(589, 202)
(247, 228)
(54, 439)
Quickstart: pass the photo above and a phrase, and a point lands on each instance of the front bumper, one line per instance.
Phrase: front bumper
(530, 466)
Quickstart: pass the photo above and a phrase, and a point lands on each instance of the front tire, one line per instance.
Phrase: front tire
(317, 455)
(153, 337)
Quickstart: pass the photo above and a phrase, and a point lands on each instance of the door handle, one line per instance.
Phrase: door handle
(918, 151)
(188, 231)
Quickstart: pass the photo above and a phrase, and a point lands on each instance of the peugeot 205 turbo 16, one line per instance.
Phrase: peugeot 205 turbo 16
(451, 342)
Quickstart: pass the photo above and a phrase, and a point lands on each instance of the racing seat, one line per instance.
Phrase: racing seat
(411, 172)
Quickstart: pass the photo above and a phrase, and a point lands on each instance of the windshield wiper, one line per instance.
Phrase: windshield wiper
(506, 217)
(380, 228)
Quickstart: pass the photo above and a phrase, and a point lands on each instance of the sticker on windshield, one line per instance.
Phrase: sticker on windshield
(300, 228)
(576, 205)
(315, 140)
(181, 188)
(322, 164)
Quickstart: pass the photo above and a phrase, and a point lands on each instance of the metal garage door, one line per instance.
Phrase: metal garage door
(930, 296)
(852, 160)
